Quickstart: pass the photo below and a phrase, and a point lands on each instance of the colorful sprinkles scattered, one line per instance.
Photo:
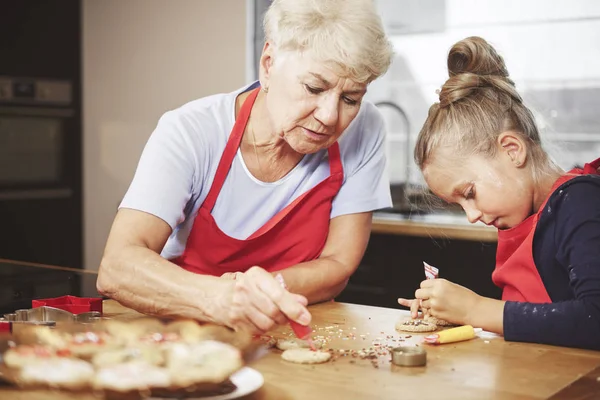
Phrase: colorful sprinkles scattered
(378, 353)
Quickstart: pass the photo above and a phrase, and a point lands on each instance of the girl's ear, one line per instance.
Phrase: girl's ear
(512, 145)
(266, 61)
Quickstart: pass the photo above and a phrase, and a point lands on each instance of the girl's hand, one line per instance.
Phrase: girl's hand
(413, 304)
(448, 301)
(256, 302)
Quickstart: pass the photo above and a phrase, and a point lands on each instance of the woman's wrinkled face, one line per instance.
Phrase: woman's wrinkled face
(308, 104)
(492, 191)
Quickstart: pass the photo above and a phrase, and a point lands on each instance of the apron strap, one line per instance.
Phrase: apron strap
(335, 160)
(592, 168)
(230, 150)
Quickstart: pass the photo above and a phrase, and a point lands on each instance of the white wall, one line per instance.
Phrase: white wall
(141, 58)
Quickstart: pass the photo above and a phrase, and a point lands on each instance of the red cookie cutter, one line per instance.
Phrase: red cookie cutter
(72, 304)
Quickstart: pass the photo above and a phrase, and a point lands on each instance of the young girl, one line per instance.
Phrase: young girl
(480, 148)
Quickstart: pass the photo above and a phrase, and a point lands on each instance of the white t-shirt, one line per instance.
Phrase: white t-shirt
(178, 164)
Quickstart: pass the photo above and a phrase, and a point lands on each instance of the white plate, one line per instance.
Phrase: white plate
(247, 380)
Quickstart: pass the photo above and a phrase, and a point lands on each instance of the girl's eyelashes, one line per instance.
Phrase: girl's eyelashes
(470, 193)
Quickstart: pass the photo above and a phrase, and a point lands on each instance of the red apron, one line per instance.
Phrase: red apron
(296, 234)
(516, 273)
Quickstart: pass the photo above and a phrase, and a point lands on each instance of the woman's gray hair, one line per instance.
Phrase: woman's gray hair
(346, 35)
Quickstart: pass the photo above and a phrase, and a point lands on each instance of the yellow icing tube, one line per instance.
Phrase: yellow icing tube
(458, 334)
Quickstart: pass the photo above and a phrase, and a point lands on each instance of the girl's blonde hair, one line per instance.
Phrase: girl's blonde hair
(477, 103)
(346, 35)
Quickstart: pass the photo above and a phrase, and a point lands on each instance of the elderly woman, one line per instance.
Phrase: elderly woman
(280, 176)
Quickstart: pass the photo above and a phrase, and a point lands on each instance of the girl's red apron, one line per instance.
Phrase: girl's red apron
(296, 234)
(516, 273)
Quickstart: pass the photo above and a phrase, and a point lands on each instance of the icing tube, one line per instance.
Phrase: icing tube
(431, 272)
(452, 335)
(301, 331)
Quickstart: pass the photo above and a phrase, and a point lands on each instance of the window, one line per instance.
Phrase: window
(550, 49)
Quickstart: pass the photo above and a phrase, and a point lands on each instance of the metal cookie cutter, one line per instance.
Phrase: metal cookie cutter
(51, 314)
(409, 356)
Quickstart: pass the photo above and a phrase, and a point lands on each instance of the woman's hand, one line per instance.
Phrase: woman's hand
(231, 275)
(444, 300)
(256, 302)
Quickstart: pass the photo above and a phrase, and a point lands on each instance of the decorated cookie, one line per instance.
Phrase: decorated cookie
(437, 321)
(287, 344)
(135, 375)
(58, 373)
(415, 325)
(305, 356)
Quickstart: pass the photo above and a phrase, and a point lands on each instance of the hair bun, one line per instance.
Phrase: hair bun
(475, 55)
(474, 64)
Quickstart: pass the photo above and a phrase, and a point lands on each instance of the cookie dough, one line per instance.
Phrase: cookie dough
(415, 325)
(306, 356)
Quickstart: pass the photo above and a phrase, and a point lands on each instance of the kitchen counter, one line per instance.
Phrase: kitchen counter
(434, 225)
(486, 367)
(21, 282)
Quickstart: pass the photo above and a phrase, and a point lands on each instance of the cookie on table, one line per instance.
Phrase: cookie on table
(415, 325)
(437, 321)
(306, 356)
(287, 344)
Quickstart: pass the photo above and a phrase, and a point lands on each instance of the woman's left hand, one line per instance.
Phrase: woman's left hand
(231, 275)
(444, 300)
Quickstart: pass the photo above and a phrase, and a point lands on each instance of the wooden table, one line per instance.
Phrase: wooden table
(483, 368)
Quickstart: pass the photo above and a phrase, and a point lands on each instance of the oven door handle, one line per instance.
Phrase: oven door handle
(36, 194)
(37, 112)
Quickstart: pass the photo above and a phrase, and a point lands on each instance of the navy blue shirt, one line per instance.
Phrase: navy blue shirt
(566, 252)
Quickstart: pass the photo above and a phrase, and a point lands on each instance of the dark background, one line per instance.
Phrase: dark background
(392, 267)
(42, 39)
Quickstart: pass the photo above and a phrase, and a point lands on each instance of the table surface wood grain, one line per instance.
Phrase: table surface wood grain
(483, 368)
